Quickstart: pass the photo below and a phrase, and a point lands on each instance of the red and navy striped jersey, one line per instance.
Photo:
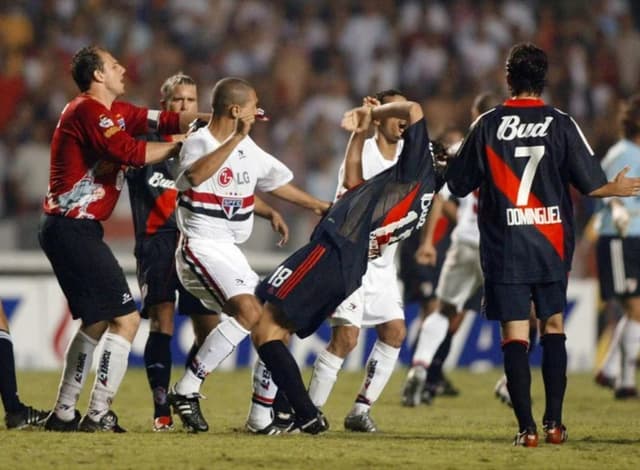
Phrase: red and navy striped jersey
(153, 196)
(90, 148)
(523, 155)
(385, 209)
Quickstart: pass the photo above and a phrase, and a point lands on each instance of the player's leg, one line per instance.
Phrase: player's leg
(157, 361)
(436, 382)
(610, 369)
(630, 347)
(17, 414)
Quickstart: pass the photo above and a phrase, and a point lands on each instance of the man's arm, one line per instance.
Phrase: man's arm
(358, 119)
(158, 151)
(264, 210)
(294, 195)
(620, 186)
(186, 118)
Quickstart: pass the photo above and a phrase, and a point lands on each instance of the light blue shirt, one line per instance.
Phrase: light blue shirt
(623, 153)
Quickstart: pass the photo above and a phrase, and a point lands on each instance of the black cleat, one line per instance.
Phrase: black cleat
(108, 423)
(605, 381)
(316, 425)
(188, 408)
(284, 420)
(272, 429)
(26, 417)
(53, 423)
(624, 393)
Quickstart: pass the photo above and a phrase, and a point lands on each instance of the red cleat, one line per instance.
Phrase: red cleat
(526, 438)
(555, 433)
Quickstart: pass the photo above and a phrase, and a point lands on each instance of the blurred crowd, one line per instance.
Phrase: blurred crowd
(310, 60)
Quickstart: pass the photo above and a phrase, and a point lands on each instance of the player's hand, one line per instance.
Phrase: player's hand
(426, 254)
(244, 123)
(370, 101)
(621, 218)
(322, 208)
(357, 119)
(280, 226)
(626, 186)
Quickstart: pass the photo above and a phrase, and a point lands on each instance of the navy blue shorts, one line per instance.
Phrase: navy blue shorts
(87, 271)
(157, 277)
(420, 280)
(618, 267)
(306, 287)
(511, 302)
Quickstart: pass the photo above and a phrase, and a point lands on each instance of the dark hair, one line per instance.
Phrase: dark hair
(526, 69)
(485, 101)
(630, 117)
(166, 90)
(84, 62)
(229, 91)
(381, 95)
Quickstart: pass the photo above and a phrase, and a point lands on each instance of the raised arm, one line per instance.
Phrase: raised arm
(358, 119)
(294, 195)
(187, 117)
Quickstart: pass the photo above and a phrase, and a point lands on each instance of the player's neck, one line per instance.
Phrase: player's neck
(221, 128)
(525, 96)
(387, 149)
(101, 95)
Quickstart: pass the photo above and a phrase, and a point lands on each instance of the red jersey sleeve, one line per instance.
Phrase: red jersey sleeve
(105, 131)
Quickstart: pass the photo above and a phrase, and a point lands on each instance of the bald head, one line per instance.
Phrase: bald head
(228, 92)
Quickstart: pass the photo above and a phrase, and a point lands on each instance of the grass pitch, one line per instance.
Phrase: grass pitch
(471, 431)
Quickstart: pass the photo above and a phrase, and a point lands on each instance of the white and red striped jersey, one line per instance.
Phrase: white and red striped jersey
(221, 208)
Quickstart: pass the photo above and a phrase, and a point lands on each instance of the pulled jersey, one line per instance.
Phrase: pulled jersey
(90, 149)
(221, 208)
(523, 156)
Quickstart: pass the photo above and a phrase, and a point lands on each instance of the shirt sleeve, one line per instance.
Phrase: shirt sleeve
(272, 172)
(104, 134)
(465, 171)
(193, 148)
(585, 172)
(415, 151)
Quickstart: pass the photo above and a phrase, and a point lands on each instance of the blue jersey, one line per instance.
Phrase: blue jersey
(623, 153)
(523, 156)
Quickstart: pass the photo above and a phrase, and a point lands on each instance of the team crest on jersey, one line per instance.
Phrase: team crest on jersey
(121, 123)
(105, 122)
(231, 205)
(225, 176)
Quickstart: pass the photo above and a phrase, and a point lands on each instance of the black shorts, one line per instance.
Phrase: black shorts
(618, 267)
(157, 278)
(307, 287)
(419, 280)
(88, 273)
(511, 302)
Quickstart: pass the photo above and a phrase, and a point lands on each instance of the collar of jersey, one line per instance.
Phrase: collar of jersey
(523, 103)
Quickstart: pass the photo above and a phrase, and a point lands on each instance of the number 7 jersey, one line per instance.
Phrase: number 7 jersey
(523, 155)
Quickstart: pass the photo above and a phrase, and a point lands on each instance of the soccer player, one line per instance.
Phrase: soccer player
(220, 166)
(308, 286)
(153, 196)
(17, 414)
(90, 149)
(618, 252)
(378, 301)
(522, 156)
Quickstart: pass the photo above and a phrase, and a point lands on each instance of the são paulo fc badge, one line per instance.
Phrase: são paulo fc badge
(231, 205)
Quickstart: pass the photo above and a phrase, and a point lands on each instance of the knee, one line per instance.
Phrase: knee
(126, 325)
(393, 333)
(246, 309)
(343, 340)
(448, 310)
(553, 325)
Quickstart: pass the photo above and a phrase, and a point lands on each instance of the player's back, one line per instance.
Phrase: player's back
(523, 155)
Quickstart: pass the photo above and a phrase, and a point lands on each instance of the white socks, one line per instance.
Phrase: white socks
(630, 345)
(77, 364)
(432, 333)
(611, 366)
(325, 374)
(111, 370)
(216, 347)
(378, 370)
(264, 392)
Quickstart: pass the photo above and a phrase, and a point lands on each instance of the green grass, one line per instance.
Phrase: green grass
(471, 431)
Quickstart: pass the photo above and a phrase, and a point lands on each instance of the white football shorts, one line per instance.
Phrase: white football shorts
(461, 274)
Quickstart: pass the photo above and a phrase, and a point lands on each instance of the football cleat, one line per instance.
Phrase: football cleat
(360, 423)
(413, 387)
(162, 424)
(316, 425)
(445, 388)
(555, 433)
(502, 392)
(624, 393)
(25, 417)
(53, 423)
(605, 381)
(188, 408)
(284, 420)
(428, 394)
(272, 429)
(108, 423)
(526, 438)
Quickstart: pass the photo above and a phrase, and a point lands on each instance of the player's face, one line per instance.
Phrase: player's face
(184, 98)
(251, 105)
(112, 74)
(392, 128)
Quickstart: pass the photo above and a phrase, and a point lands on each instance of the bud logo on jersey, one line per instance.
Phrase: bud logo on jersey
(533, 215)
(510, 128)
(105, 122)
(225, 177)
(425, 203)
(158, 180)
(231, 205)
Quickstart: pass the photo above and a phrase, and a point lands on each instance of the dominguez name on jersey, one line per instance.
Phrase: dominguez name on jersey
(533, 215)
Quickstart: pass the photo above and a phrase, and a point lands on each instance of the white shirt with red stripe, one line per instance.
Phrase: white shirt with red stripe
(221, 208)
